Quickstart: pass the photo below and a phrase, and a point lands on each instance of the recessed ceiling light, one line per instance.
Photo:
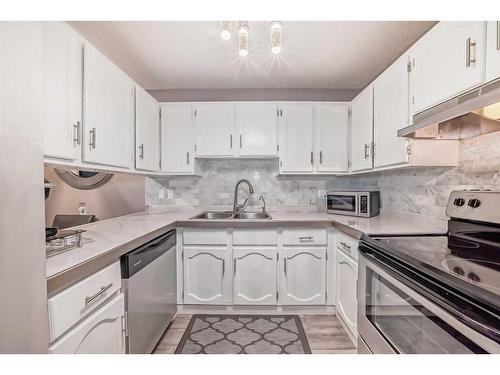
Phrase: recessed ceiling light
(243, 39)
(225, 30)
(275, 37)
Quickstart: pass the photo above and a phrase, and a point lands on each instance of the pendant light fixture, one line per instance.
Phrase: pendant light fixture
(225, 30)
(275, 37)
(243, 39)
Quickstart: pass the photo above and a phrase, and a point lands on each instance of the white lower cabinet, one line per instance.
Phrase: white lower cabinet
(346, 301)
(205, 275)
(254, 271)
(304, 272)
(101, 333)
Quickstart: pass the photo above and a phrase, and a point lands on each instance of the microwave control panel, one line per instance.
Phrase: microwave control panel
(363, 204)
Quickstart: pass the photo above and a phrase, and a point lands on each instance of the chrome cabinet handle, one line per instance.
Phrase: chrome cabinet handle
(92, 136)
(312, 157)
(141, 151)
(76, 134)
(306, 238)
(241, 141)
(187, 157)
(231, 141)
(284, 265)
(93, 297)
(498, 35)
(367, 150)
(234, 266)
(321, 157)
(468, 47)
(223, 267)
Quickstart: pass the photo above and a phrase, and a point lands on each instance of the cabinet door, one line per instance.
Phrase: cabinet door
(147, 131)
(214, 129)
(492, 50)
(176, 139)
(390, 113)
(108, 112)
(304, 271)
(333, 137)
(447, 61)
(254, 272)
(362, 130)
(62, 91)
(257, 124)
(346, 296)
(204, 276)
(296, 138)
(101, 333)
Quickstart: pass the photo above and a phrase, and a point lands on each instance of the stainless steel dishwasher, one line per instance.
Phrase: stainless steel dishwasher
(150, 285)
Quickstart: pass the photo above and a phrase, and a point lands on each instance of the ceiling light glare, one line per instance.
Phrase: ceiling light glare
(225, 30)
(275, 37)
(243, 40)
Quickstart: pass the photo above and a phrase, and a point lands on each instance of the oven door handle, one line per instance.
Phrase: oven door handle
(432, 295)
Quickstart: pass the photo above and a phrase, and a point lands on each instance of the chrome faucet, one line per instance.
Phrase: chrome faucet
(236, 206)
(264, 211)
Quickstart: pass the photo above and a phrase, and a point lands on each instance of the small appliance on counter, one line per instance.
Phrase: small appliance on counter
(353, 203)
(434, 294)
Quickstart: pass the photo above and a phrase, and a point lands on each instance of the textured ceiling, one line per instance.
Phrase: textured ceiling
(191, 55)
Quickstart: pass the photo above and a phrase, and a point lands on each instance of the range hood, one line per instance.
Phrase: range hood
(471, 114)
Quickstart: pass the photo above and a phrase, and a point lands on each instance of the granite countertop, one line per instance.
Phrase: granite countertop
(105, 241)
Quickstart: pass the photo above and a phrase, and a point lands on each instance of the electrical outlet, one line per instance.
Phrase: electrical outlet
(82, 208)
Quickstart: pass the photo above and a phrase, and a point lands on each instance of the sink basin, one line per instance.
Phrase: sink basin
(252, 215)
(214, 215)
(221, 215)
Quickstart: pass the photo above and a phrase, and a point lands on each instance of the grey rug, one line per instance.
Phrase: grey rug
(244, 334)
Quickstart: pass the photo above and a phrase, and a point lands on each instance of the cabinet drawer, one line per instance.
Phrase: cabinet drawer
(255, 237)
(304, 237)
(347, 244)
(205, 237)
(74, 303)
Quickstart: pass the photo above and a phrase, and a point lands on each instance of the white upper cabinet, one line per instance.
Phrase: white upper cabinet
(296, 138)
(147, 131)
(214, 124)
(177, 139)
(62, 91)
(254, 272)
(362, 131)
(304, 271)
(447, 61)
(390, 113)
(257, 126)
(492, 50)
(332, 122)
(108, 112)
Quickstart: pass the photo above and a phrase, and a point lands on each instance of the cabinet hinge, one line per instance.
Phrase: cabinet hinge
(182, 255)
(408, 67)
(159, 113)
(326, 256)
(278, 113)
(277, 296)
(195, 113)
(277, 148)
(349, 112)
(125, 323)
(195, 148)
(183, 296)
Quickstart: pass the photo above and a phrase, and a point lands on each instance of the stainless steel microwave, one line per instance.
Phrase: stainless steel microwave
(353, 203)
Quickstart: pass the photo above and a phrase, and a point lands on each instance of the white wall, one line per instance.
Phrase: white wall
(23, 288)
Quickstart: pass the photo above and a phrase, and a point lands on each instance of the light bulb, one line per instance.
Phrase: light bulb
(225, 30)
(275, 37)
(243, 40)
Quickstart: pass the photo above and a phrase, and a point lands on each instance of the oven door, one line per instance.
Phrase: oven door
(393, 318)
(342, 203)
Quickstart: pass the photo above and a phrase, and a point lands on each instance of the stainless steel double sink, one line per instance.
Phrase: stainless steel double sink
(221, 215)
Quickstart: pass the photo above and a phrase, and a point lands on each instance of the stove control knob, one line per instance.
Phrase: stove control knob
(474, 203)
(459, 202)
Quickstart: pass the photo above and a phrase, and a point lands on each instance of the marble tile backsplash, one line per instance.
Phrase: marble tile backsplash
(416, 190)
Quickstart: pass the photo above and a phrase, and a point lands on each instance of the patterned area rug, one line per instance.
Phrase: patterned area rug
(244, 334)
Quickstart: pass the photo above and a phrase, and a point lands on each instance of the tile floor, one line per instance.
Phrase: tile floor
(324, 333)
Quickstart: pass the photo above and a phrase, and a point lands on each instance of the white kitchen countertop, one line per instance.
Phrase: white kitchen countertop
(104, 237)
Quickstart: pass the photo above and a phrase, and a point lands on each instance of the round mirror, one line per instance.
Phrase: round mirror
(84, 180)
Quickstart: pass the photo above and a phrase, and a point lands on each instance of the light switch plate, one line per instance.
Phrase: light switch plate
(161, 194)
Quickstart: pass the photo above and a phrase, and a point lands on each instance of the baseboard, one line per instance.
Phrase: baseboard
(272, 310)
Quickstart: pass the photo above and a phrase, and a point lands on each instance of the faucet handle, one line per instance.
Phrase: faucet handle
(261, 198)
